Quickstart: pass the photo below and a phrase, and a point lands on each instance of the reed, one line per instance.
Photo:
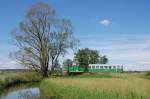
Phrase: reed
(11, 78)
(121, 86)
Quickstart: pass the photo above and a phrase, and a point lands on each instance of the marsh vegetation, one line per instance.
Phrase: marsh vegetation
(12, 78)
(85, 86)
(102, 86)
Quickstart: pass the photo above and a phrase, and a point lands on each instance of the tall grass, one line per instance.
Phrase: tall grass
(11, 78)
(125, 86)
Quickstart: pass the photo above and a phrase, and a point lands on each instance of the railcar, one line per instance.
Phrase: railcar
(95, 68)
(105, 68)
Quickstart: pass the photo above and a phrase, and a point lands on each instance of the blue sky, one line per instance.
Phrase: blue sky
(117, 28)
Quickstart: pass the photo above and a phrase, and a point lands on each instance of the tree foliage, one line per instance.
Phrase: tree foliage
(42, 38)
(103, 60)
(86, 56)
(67, 63)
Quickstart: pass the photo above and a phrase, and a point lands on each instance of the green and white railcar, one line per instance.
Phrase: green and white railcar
(105, 68)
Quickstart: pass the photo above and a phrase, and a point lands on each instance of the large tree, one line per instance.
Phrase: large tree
(86, 56)
(42, 38)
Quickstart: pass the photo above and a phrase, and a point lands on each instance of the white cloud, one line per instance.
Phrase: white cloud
(133, 49)
(7, 63)
(105, 22)
(145, 62)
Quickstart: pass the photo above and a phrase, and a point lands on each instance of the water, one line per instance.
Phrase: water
(23, 91)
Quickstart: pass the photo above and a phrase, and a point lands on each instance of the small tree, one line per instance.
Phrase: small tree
(42, 38)
(67, 63)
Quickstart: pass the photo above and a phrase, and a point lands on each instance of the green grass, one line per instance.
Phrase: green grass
(98, 75)
(102, 86)
(11, 78)
(85, 86)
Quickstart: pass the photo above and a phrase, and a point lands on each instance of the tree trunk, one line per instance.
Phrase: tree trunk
(68, 73)
(45, 73)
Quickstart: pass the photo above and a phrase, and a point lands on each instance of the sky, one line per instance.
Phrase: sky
(119, 29)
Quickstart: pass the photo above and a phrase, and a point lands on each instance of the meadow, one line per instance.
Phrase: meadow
(98, 86)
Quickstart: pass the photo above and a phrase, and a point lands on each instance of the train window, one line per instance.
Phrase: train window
(121, 67)
(105, 67)
(93, 67)
(114, 67)
(101, 67)
(89, 66)
(97, 66)
(109, 67)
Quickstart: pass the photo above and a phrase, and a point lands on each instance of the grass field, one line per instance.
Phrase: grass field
(11, 78)
(98, 86)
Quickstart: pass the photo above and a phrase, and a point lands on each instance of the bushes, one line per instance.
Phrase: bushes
(96, 75)
(147, 75)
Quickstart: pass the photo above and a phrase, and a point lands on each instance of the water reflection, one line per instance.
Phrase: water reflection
(33, 93)
(21, 93)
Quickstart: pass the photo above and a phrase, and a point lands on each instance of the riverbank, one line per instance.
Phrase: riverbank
(22, 91)
(12, 78)
(85, 86)
(111, 86)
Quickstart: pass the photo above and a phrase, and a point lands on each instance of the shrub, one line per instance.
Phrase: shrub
(147, 75)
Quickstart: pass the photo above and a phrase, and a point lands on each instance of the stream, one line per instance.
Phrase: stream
(21, 91)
